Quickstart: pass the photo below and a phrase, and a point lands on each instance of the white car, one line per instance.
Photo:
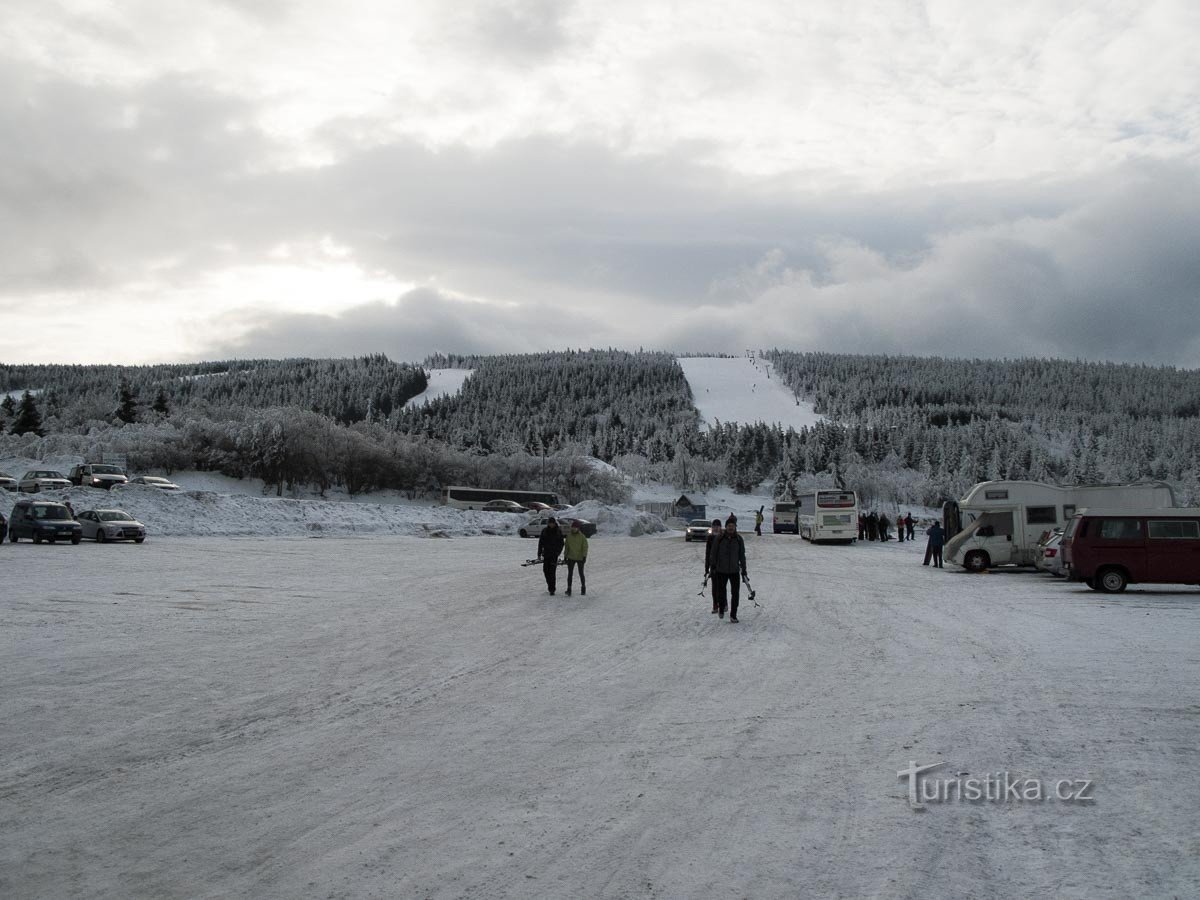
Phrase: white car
(42, 480)
(155, 481)
(102, 525)
(533, 528)
(7, 482)
(697, 530)
(1049, 558)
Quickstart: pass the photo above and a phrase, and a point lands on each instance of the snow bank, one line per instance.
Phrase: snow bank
(618, 520)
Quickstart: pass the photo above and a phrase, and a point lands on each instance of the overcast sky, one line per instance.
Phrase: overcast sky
(195, 180)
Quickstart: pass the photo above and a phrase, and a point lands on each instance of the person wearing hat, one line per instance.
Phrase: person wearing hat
(550, 544)
(577, 549)
(727, 561)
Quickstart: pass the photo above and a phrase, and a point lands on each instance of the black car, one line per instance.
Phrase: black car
(43, 520)
(3, 527)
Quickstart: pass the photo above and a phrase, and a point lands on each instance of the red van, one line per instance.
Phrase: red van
(1108, 549)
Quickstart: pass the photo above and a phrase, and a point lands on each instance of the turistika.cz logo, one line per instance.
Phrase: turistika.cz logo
(993, 787)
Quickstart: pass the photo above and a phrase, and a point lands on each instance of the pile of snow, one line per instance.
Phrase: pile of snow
(743, 390)
(619, 520)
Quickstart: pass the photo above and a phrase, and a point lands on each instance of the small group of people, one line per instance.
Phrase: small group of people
(878, 527)
(574, 546)
(725, 564)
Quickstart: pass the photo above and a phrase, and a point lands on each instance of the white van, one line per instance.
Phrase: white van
(1000, 523)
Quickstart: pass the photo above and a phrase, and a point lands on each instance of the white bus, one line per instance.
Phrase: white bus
(1000, 523)
(475, 498)
(830, 515)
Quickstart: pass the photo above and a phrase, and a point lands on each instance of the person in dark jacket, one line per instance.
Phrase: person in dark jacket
(727, 563)
(908, 525)
(873, 527)
(933, 549)
(550, 545)
(884, 524)
(714, 532)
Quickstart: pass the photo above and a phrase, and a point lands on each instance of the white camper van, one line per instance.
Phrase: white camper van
(999, 523)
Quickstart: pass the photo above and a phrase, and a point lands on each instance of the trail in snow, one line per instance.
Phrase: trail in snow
(739, 390)
(442, 382)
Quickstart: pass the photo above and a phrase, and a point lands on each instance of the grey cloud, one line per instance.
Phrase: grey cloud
(522, 30)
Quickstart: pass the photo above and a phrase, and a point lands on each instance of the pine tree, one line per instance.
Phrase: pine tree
(126, 403)
(29, 420)
(160, 403)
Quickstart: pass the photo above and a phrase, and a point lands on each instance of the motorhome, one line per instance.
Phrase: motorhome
(999, 523)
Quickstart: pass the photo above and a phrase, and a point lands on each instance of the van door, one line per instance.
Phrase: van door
(1173, 551)
(1119, 541)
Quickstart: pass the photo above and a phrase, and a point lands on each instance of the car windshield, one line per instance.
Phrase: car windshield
(115, 515)
(106, 470)
(51, 512)
(699, 523)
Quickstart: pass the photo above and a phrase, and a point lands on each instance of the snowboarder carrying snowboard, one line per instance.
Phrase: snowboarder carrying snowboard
(727, 563)
(577, 549)
(550, 544)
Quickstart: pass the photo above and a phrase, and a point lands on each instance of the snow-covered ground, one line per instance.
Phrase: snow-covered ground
(739, 390)
(441, 383)
(394, 717)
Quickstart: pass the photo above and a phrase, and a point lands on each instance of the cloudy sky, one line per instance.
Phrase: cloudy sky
(193, 180)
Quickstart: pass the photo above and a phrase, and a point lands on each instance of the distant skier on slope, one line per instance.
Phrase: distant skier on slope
(577, 551)
(550, 544)
(727, 560)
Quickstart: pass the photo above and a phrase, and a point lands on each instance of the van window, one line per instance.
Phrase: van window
(1176, 529)
(1068, 511)
(1072, 524)
(995, 495)
(1120, 529)
(1041, 515)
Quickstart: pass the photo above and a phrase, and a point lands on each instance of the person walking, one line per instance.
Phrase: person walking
(908, 525)
(727, 563)
(550, 545)
(577, 550)
(884, 523)
(933, 550)
(758, 520)
(714, 532)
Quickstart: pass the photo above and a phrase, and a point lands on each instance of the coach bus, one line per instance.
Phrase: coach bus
(828, 516)
(475, 498)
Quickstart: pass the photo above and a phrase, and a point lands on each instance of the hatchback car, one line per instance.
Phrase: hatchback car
(103, 525)
(509, 506)
(99, 475)
(43, 520)
(697, 530)
(1049, 558)
(533, 528)
(42, 480)
(156, 482)
(7, 482)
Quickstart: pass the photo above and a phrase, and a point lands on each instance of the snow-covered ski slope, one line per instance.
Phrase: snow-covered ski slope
(397, 717)
(441, 383)
(743, 390)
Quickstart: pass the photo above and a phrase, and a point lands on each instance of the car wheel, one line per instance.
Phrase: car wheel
(139, 540)
(76, 538)
(12, 537)
(976, 561)
(523, 533)
(100, 536)
(37, 538)
(1111, 581)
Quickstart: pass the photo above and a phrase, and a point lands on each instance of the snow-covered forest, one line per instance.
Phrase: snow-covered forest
(897, 429)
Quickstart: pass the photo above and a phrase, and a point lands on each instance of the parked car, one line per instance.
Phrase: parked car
(156, 482)
(538, 506)
(533, 528)
(697, 530)
(1108, 549)
(99, 475)
(42, 480)
(1050, 557)
(103, 525)
(509, 506)
(7, 482)
(43, 520)
(3, 528)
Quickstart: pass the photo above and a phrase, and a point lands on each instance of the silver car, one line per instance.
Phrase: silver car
(42, 480)
(1049, 558)
(156, 482)
(697, 530)
(7, 482)
(103, 525)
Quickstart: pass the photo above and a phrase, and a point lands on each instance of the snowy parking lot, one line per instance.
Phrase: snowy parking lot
(394, 716)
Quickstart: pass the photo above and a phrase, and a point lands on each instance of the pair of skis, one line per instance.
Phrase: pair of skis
(539, 561)
(745, 580)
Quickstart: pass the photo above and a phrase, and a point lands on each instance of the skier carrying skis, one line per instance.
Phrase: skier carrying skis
(577, 549)
(713, 533)
(727, 561)
(550, 544)
(758, 520)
